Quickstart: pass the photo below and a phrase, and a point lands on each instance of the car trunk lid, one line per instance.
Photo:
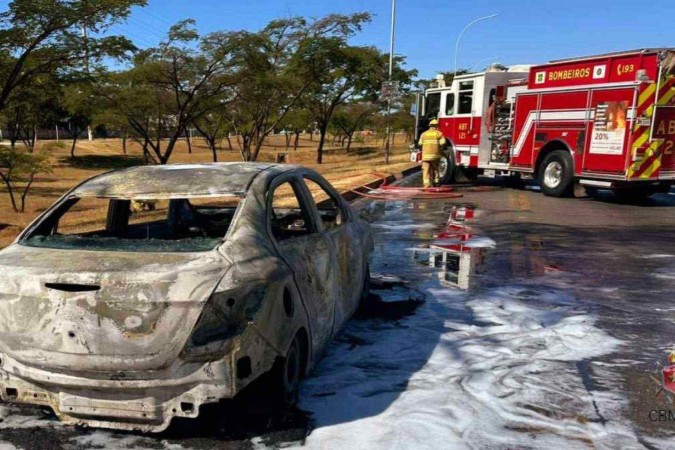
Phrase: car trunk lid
(102, 311)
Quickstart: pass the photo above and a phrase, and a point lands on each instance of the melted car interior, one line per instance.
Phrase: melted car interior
(187, 224)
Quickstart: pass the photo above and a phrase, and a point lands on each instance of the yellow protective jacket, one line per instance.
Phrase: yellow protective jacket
(431, 142)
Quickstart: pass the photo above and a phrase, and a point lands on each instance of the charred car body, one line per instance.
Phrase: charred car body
(194, 281)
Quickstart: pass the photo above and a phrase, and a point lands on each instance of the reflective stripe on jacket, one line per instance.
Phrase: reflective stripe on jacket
(432, 142)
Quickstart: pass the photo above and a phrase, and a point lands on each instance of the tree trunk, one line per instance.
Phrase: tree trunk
(322, 141)
(288, 140)
(24, 194)
(10, 190)
(34, 141)
(229, 142)
(258, 146)
(350, 136)
(311, 135)
(125, 136)
(72, 148)
(245, 146)
(189, 141)
(164, 158)
(212, 146)
(146, 152)
(297, 141)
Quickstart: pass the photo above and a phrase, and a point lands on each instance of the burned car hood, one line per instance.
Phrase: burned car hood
(88, 311)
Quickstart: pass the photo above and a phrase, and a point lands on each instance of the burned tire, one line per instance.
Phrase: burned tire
(556, 174)
(286, 375)
(447, 168)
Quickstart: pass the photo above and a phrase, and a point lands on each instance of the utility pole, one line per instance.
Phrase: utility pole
(85, 36)
(391, 73)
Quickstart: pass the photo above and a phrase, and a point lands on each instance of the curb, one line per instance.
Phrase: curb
(352, 194)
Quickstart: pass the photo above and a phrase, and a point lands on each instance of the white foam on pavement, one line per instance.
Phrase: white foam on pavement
(508, 378)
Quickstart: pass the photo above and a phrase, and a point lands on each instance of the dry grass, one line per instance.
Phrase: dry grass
(344, 170)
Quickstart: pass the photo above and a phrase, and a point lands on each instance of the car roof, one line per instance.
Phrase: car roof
(178, 181)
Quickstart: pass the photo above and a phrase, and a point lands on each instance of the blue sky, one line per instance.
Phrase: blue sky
(524, 32)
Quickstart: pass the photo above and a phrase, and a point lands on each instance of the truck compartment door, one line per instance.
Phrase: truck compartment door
(607, 146)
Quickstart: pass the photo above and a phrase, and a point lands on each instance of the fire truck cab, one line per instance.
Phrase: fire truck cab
(605, 121)
(461, 110)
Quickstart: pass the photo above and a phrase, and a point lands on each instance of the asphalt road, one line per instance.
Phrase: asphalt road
(577, 258)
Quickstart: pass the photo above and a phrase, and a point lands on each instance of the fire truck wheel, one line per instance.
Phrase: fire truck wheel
(556, 174)
(446, 169)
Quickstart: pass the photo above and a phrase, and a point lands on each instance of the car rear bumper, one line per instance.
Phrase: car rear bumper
(146, 405)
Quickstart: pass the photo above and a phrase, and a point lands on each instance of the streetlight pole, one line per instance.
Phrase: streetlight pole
(464, 30)
(391, 74)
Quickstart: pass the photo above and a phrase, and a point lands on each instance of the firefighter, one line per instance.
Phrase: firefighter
(431, 142)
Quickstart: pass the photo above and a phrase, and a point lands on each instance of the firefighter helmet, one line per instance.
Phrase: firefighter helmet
(433, 123)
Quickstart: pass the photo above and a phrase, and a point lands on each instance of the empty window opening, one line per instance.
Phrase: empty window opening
(330, 210)
(175, 225)
(288, 217)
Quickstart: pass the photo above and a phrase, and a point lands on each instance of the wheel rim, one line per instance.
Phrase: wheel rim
(442, 167)
(553, 174)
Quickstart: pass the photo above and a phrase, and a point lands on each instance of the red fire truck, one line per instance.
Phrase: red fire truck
(606, 122)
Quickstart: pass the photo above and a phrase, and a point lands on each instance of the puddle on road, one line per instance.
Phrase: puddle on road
(457, 251)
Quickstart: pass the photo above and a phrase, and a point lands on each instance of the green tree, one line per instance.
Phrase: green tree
(268, 86)
(45, 37)
(115, 120)
(18, 168)
(81, 105)
(338, 72)
(36, 105)
(296, 122)
(214, 127)
(352, 117)
(173, 86)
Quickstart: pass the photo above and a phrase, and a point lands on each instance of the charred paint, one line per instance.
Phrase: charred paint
(118, 350)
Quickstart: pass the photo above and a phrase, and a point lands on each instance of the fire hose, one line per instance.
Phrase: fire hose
(394, 193)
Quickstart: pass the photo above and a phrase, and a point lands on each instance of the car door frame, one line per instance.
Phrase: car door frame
(309, 289)
(349, 285)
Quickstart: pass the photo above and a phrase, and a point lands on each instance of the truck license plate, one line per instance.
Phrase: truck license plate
(489, 173)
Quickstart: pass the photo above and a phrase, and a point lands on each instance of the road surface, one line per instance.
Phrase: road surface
(556, 344)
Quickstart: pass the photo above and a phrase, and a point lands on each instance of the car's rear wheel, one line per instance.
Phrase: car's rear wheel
(287, 374)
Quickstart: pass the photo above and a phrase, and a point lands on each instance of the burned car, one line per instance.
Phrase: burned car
(145, 293)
